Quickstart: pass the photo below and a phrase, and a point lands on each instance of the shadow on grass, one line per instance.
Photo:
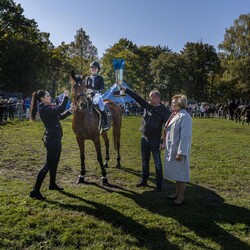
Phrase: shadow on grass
(202, 213)
(107, 187)
(151, 238)
(139, 175)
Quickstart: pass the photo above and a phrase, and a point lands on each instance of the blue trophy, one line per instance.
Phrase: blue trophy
(118, 64)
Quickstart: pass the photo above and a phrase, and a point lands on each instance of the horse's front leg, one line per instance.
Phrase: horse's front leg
(106, 141)
(97, 143)
(81, 145)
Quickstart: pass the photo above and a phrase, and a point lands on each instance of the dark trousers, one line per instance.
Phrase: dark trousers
(53, 148)
(147, 146)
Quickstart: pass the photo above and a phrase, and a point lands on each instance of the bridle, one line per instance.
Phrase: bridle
(79, 95)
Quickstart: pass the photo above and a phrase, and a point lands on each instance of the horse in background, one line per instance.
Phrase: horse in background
(86, 126)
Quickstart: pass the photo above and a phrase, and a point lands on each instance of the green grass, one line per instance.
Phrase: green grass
(91, 216)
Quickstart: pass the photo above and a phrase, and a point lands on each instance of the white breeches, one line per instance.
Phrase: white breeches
(97, 100)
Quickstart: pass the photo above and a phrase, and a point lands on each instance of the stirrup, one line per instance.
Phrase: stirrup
(105, 127)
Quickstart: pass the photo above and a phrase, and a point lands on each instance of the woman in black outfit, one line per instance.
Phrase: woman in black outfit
(51, 116)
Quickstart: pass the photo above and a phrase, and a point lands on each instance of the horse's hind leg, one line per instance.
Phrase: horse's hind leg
(106, 141)
(81, 145)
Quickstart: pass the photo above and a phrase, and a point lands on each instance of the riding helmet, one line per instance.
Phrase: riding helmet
(95, 64)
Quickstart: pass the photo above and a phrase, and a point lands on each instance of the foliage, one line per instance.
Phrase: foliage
(29, 61)
(146, 55)
(122, 49)
(82, 52)
(24, 50)
(59, 68)
(120, 216)
(236, 51)
(200, 61)
(167, 72)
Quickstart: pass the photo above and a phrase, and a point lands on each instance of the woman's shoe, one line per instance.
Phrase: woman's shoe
(178, 203)
(55, 187)
(37, 195)
(172, 197)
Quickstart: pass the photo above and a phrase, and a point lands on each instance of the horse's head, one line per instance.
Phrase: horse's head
(80, 95)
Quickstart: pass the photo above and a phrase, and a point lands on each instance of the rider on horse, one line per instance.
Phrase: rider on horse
(95, 82)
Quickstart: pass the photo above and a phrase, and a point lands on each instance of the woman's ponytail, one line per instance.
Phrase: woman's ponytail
(33, 106)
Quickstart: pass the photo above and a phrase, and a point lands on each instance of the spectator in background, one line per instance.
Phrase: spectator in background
(1, 110)
(5, 110)
(27, 108)
(11, 109)
(19, 108)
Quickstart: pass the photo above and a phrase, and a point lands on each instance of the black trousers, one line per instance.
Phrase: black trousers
(53, 148)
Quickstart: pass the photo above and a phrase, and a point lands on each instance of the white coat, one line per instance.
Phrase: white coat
(178, 141)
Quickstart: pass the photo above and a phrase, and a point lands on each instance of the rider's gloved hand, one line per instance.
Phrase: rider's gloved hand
(92, 93)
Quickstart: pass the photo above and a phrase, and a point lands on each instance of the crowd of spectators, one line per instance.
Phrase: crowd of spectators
(11, 107)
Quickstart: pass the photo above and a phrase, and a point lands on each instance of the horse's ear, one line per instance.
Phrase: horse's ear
(73, 76)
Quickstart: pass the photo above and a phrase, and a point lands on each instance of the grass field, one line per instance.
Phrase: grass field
(91, 216)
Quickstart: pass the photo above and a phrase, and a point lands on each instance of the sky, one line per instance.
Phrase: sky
(170, 23)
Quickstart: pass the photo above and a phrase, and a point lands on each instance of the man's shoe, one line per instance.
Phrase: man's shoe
(55, 187)
(158, 188)
(142, 184)
(178, 203)
(37, 195)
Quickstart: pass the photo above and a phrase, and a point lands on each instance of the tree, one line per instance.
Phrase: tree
(122, 49)
(200, 61)
(60, 68)
(24, 50)
(82, 52)
(167, 72)
(236, 57)
(146, 55)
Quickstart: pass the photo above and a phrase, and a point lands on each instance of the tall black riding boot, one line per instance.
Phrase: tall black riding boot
(35, 193)
(53, 185)
(105, 120)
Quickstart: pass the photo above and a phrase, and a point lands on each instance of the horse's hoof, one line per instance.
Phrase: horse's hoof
(106, 165)
(104, 181)
(118, 165)
(80, 179)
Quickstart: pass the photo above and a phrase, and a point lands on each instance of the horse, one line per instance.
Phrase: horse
(86, 126)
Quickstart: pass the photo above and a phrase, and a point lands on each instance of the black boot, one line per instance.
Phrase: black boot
(53, 185)
(105, 124)
(35, 193)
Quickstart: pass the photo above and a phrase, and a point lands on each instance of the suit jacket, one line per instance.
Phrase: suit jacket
(178, 141)
(95, 82)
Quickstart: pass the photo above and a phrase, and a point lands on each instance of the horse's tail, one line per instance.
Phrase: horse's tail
(116, 133)
(117, 122)
(115, 139)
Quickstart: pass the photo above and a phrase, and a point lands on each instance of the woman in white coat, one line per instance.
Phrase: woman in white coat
(177, 143)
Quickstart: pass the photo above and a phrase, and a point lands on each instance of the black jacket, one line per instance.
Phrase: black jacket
(51, 116)
(154, 117)
(95, 82)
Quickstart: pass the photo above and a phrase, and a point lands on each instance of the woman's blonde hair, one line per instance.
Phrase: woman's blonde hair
(181, 101)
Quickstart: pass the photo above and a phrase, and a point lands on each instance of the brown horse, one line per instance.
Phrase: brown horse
(86, 126)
